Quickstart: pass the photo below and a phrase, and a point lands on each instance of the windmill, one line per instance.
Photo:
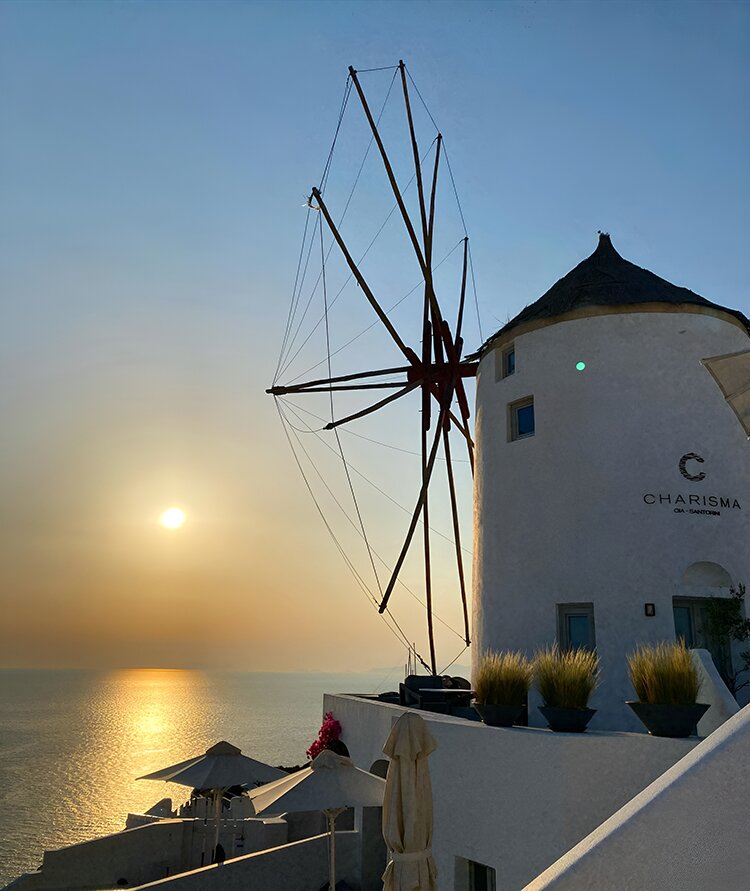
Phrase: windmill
(437, 369)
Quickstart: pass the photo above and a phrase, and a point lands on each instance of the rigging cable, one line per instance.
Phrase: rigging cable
(377, 321)
(458, 203)
(385, 445)
(375, 486)
(326, 169)
(354, 526)
(288, 362)
(454, 661)
(397, 630)
(336, 432)
(383, 68)
(476, 300)
(287, 344)
(292, 310)
(344, 101)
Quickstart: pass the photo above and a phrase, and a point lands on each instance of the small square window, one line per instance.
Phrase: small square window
(575, 626)
(509, 361)
(472, 876)
(521, 418)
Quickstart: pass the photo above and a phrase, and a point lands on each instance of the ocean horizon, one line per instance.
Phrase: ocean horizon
(73, 741)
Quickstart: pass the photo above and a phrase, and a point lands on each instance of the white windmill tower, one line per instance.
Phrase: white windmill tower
(612, 488)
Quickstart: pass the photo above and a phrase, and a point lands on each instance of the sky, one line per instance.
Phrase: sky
(155, 158)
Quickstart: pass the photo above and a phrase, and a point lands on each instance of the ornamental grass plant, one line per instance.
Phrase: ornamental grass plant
(664, 673)
(566, 678)
(502, 678)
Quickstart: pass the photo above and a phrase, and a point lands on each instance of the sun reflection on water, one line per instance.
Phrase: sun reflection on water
(73, 742)
(135, 721)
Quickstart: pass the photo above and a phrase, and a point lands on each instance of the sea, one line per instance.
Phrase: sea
(72, 743)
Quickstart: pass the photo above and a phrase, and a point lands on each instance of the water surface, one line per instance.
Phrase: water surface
(73, 742)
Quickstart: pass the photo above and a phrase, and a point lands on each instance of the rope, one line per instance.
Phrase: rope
(338, 439)
(340, 222)
(384, 68)
(397, 630)
(309, 299)
(344, 101)
(429, 113)
(385, 445)
(377, 321)
(454, 661)
(293, 304)
(317, 434)
(380, 558)
(458, 202)
(476, 301)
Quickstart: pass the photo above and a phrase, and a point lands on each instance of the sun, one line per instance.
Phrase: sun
(172, 518)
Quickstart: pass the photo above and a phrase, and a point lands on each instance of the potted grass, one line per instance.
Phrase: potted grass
(501, 685)
(566, 679)
(666, 682)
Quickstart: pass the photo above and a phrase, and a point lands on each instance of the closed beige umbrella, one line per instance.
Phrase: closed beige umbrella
(732, 373)
(407, 808)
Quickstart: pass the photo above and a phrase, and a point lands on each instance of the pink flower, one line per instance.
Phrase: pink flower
(330, 731)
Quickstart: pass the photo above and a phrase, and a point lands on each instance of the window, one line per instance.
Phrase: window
(521, 418)
(690, 625)
(481, 877)
(509, 360)
(575, 626)
(472, 876)
(505, 361)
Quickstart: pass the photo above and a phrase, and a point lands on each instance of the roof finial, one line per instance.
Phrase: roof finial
(604, 240)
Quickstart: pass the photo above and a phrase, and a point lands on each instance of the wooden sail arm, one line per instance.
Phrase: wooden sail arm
(357, 375)
(417, 165)
(340, 388)
(407, 351)
(421, 256)
(456, 532)
(453, 360)
(462, 300)
(417, 511)
(371, 408)
(389, 172)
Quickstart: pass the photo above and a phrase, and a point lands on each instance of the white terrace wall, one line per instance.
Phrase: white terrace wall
(513, 799)
(136, 855)
(298, 866)
(148, 852)
(689, 829)
(593, 508)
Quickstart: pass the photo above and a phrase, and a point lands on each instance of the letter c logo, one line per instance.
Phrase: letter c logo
(691, 456)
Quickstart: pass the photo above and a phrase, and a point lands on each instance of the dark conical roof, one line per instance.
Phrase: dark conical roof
(605, 279)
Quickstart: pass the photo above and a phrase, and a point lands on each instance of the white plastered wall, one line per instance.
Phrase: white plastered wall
(562, 516)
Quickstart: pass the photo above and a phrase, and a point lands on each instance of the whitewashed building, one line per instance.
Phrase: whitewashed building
(612, 488)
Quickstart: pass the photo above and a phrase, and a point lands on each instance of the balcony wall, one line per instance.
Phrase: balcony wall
(513, 799)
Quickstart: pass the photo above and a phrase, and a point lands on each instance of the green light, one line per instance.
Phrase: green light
(580, 366)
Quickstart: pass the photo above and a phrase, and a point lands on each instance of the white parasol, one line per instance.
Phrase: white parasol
(331, 784)
(732, 373)
(222, 766)
(407, 808)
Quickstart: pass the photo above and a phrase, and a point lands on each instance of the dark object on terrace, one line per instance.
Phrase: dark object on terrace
(605, 279)
(390, 696)
(430, 693)
(339, 747)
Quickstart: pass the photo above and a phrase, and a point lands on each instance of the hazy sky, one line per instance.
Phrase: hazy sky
(154, 157)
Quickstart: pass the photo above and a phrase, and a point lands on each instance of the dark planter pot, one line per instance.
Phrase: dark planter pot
(498, 715)
(567, 720)
(676, 721)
